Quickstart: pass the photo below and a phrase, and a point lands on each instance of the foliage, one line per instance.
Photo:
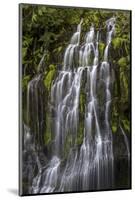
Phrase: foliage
(49, 76)
(25, 81)
(121, 62)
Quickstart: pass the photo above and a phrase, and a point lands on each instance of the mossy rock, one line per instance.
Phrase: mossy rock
(101, 49)
(122, 62)
(117, 42)
(49, 77)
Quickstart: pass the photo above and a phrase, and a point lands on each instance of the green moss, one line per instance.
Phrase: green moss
(68, 144)
(101, 48)
(24, 52)
(122, 62)
(47, 134)
(124, 85)
(126, 125)
(82, 102)
(117, 42)
(47, 138)
(25, 81)
(80, 136)
(114, 128)
(49, 77)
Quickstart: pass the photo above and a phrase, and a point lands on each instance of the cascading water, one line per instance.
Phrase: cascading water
(126, 142)
(89, 166)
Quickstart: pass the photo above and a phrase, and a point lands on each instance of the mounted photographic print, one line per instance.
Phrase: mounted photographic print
(75, 96)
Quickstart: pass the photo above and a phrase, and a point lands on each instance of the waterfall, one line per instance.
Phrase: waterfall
(94, 164)
(126, 142)
(72, 49)
(90, 165)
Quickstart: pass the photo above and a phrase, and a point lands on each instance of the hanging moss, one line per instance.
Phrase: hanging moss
(101, 49)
